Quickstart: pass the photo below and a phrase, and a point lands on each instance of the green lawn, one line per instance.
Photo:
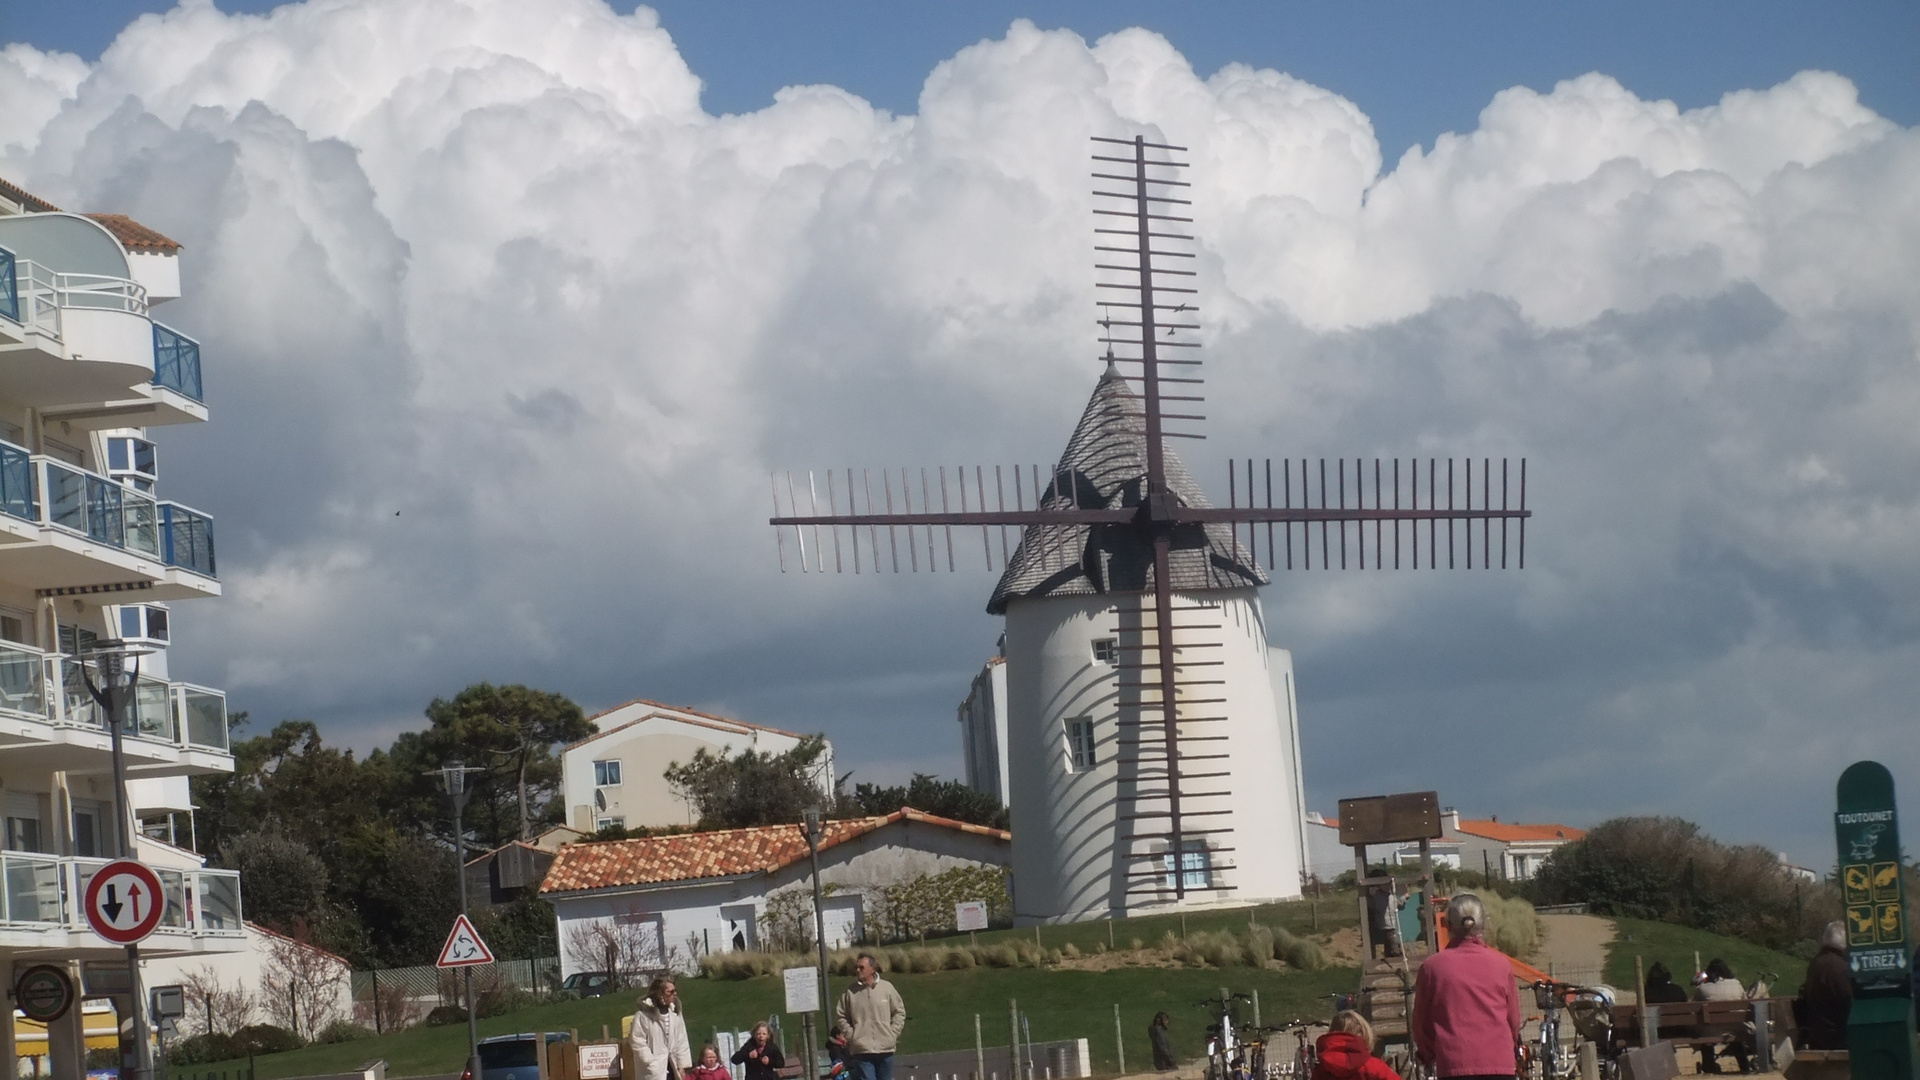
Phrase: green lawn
(941, 1006)
(1676, 945)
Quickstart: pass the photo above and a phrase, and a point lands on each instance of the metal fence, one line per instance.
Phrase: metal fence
(391, 998)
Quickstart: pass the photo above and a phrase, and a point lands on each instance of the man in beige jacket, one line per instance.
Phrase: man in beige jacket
(659, 1035)
(870, 1017)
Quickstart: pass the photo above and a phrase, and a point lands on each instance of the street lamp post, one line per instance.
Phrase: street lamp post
(114, 692)
(812, 816)
(453, 775)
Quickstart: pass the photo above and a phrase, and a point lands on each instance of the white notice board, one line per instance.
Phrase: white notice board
(803, 989)
(970, 915)
(599, 1061)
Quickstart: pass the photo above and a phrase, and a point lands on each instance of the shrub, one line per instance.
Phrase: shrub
(928, 959)
(442, 1015)
(270, 1039)
(1306, 955)
(959, 959)
(1003, 956)
(896, 960)
(1259, 946)
(204, 1049)
(344, 1031)
(1135, 945)
(504, 999)
(1512, 925)
(1070, 951)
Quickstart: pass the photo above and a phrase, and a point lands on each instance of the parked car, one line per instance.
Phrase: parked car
(586, 984)
(512, 1057)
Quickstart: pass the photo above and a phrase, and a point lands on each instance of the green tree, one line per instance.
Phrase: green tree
(508, 731)
(944, 798)
(738, 791)
(285, 882)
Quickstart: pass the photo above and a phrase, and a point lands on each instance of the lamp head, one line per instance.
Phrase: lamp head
(454, 776)
(811, 815)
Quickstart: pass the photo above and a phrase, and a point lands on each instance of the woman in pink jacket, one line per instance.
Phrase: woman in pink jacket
(1466, 1010)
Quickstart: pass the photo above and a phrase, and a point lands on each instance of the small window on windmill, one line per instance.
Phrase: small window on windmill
(1105, 650)
(1080, 749)
(1196, 866)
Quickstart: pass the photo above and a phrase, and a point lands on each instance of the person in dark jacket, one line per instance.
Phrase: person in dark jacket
(761, 1055)
(1345, 1052)
(1827, 996)
(1661, 989)
(1162, 1042)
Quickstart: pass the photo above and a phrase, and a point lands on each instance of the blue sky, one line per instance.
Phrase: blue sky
(1416, 69)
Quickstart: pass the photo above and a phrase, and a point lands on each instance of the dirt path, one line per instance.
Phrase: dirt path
(1576, 946)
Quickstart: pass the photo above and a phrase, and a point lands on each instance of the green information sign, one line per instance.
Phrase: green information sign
(1866, 829)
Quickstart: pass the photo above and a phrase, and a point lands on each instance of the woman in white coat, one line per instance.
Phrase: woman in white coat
(659, 1035)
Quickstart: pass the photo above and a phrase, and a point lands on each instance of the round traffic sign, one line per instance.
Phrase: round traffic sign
(44, 993)
(124, 902)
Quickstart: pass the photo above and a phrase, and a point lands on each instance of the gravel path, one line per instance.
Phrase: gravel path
(1576, 946)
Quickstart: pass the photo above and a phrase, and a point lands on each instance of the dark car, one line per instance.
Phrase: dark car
(511, 1057)
(586, 984)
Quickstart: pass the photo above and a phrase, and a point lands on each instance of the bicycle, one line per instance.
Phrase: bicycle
(1222, 1062)
(1305, 1056)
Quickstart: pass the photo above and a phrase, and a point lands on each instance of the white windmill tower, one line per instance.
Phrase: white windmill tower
(1153, 749)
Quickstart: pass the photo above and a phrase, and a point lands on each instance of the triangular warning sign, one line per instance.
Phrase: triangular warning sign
(464, 947)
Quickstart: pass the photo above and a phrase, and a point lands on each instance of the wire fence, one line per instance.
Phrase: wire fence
(389, 998)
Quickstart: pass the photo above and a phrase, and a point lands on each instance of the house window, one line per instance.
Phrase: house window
(606, 773)
(1080, 756)
(600, 823)
(141, 623)
(13, 627)
(23, 834)
(1104, 650)
(1196, 866)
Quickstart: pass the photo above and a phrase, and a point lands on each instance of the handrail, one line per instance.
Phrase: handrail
(38, 294)
(186, 539)
(9, 288)
(100, 292)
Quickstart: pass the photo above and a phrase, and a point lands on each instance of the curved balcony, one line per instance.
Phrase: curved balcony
(40, 902)
(72, 338)
(49, 719)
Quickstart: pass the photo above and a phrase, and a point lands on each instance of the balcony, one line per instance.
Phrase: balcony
(64, 522)
(176, 362)
(72, 338)
(47, 711)
(40, 900)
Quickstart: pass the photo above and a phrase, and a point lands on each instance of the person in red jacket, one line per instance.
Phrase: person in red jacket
(1466, 1010)
(709, 1067)
(1345, 1052)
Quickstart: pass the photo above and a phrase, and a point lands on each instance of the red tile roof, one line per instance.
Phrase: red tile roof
(1509, 832)
(723, 853)
(33, 203)
(136, 237)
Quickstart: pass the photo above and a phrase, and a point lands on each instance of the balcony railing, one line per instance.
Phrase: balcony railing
(9, 288)
(176, 362)
(38, 295)
(52, 493)
(42, 892)
(51, 688)
(186, 539)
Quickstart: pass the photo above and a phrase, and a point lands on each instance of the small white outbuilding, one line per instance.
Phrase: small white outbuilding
(663, 902)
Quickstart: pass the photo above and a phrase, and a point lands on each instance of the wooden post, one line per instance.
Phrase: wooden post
(1360, 881)
(979, 1051)
(1426, 893)
(1109, 933)
(1256, 1007)
(1640, 997)
(1013, 1037)
(1119, 1039)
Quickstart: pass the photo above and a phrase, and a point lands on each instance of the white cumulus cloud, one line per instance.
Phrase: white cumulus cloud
(503, 334)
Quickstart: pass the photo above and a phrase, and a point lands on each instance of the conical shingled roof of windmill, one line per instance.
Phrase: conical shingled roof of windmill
(1105, 466)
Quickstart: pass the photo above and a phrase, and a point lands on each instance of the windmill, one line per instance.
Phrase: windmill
(1141, 696)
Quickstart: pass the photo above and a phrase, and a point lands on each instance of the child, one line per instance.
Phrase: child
(1345, 1052)
(709, 1067)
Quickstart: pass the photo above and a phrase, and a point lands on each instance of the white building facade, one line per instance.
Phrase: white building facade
(616, 777)
(663, 903)
(983, 729)
(1087, 774)
(91, 552)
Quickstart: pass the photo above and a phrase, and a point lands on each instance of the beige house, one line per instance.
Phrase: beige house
(616, 777)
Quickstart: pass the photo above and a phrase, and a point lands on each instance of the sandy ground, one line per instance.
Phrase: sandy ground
(1575, 946)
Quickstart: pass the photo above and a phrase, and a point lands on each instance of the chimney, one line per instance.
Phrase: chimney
(1450, 820)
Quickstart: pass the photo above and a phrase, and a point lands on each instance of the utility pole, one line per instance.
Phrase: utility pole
(115, 694)
(812, 816)
(453, 776)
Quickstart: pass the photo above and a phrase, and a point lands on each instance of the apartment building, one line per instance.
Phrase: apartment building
(92, 551)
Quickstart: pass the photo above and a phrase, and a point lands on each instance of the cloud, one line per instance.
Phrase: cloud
(503, 335)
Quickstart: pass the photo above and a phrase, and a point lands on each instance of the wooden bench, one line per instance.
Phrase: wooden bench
(1704, 1024)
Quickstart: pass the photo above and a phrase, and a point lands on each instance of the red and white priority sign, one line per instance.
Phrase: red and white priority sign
(124, 902)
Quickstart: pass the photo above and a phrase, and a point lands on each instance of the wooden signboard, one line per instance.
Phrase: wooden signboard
(1390, 819)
